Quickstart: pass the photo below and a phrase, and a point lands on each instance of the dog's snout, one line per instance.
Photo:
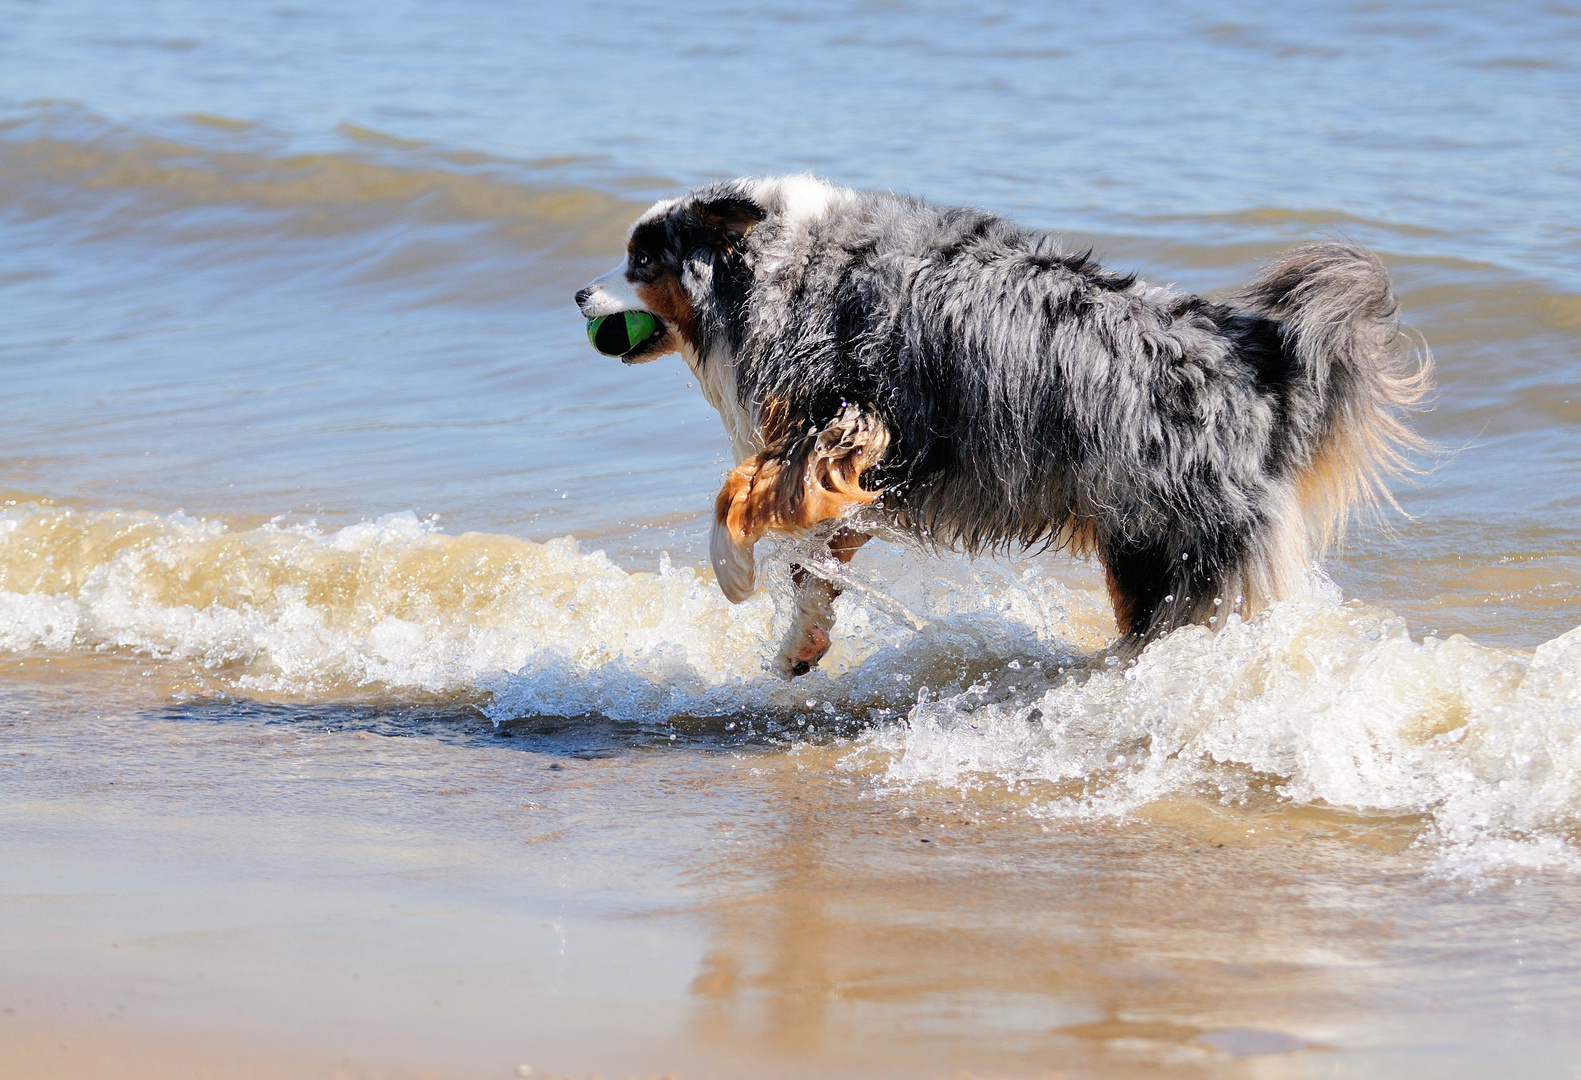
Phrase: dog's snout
(608, 294)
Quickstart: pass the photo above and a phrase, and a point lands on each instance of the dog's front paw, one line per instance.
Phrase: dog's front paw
(801, 652)
(808, 638)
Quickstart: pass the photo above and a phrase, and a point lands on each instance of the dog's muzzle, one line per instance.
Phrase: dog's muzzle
(608, 295)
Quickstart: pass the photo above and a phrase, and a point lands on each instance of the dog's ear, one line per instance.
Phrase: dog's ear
(727, 221)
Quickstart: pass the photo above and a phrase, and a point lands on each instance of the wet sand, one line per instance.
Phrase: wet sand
(224, 890)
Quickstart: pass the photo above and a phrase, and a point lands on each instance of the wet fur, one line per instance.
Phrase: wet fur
(981, 386)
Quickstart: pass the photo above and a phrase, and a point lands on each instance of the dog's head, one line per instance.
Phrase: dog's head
(678, 256)
(690, 261)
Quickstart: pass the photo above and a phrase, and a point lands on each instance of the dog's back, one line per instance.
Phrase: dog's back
(1204, 450)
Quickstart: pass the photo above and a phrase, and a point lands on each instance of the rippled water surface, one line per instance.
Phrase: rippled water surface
(356, 636)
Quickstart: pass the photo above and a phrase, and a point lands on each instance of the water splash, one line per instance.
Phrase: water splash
(996, 683)
(1312, 702)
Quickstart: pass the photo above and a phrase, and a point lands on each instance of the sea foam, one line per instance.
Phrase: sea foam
(972, 675)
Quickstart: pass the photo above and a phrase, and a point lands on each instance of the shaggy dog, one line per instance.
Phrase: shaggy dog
(946, 373)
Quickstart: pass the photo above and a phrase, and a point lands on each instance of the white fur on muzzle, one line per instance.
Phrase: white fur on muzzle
(608, 295)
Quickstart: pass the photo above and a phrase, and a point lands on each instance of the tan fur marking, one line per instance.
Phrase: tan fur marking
(843, 545)
(1124, 606)
(666, 299)
(1078, 537)
(773, 419)
(765, 492)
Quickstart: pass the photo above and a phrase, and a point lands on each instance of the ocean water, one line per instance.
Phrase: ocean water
(304, 458)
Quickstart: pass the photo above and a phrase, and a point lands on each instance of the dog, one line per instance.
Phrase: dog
(880, 362)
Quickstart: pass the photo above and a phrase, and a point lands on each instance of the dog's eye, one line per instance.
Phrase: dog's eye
(641, 260)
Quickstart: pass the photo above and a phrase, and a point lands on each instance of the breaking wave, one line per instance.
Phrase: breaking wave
(983, 676)
(1313, 702)
(528, 628)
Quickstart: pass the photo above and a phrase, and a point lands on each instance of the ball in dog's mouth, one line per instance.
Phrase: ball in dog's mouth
(622, 332)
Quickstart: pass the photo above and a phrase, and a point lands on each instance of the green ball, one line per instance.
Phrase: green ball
(618, 334)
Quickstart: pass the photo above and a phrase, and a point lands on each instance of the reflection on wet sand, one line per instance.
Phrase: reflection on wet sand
(946, 934)
(401, 888)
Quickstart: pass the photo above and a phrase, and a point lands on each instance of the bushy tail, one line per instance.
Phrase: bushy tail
(1355, 375)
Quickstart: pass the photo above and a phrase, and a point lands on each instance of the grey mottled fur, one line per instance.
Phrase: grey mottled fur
(1200, 448)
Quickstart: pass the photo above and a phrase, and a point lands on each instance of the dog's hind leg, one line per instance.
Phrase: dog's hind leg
(1157, 586)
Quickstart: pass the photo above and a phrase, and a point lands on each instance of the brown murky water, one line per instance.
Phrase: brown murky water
(366, 708)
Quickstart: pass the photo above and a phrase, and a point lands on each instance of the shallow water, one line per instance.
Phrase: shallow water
(337, 572)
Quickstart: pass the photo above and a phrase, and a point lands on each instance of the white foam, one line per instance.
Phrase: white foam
(959, 667)
(1334, 703)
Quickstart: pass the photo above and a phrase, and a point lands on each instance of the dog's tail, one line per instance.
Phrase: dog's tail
(1353, 375)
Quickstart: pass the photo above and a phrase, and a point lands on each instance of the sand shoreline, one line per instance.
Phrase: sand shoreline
(229, 894)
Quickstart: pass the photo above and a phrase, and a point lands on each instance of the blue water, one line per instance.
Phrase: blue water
(314, 261)
(1451, 125)
(296, 412)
